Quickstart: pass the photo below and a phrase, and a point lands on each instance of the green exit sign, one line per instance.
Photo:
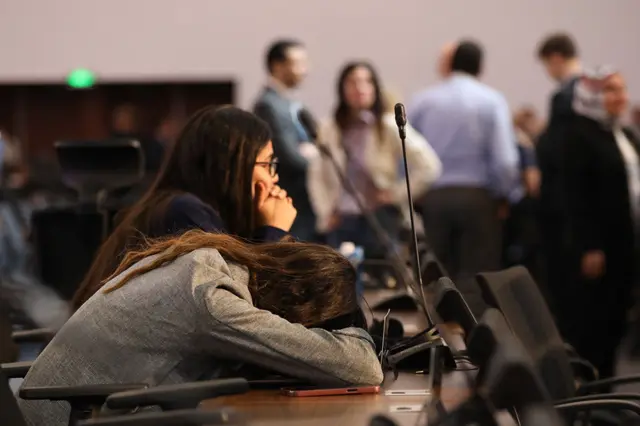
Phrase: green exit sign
(81, 78)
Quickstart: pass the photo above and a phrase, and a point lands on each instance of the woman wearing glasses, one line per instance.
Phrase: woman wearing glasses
(220, 176)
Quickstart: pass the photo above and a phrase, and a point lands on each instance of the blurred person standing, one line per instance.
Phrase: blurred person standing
(125, 124)
(521, 233)
(469, 126)
(363, 138)
(602, 174)
(286, 63)
(559, 55)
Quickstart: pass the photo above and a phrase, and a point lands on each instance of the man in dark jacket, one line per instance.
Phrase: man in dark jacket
(559, 56)
(287, 65)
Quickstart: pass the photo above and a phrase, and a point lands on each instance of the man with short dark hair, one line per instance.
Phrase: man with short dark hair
(286, 62)
(469, 126)
(559, 55)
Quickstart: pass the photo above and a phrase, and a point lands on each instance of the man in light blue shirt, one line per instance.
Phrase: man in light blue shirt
(469, 126)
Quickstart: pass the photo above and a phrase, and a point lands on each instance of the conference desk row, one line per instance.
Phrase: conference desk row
(266, 408)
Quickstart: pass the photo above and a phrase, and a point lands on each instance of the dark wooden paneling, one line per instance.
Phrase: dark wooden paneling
(41, 114)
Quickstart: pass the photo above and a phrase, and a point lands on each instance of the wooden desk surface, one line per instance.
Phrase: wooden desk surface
(267, 408)
(270, 408)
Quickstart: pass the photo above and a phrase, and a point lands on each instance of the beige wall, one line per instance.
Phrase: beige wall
(167, 39)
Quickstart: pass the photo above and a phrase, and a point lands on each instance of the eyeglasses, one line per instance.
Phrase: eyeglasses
(271, 166)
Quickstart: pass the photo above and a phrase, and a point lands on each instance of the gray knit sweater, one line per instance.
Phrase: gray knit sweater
(190, 320)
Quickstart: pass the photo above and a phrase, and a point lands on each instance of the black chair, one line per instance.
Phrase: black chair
(81, 398)
(16, 370)
(177, 397)
(9, 350)
(86, 400)
(91, 167)
(515, 293)
(35, 335)
(451, 306)
(171, 418)
(11, 415)
(65, 242)
(485, 342)
(510, 381)
(432, 269)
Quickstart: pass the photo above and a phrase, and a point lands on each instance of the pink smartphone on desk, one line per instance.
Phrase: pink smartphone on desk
(314, 391)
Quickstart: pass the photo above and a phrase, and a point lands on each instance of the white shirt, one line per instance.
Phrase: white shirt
(632, 164)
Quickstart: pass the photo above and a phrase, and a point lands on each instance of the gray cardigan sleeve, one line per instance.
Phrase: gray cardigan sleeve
(237, 330)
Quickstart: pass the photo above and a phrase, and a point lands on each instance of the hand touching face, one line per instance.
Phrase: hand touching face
(265, 169)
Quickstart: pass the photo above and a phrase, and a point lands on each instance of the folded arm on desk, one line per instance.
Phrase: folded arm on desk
(242, 332)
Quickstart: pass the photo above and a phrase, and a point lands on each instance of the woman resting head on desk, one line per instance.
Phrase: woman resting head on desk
(200, 305)
(220, 176)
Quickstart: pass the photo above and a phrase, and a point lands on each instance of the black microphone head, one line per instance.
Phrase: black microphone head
(309, 124)
(401, 115)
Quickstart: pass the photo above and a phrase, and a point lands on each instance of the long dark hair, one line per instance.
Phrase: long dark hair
(213, 159)
(343, 114)
(304, 283)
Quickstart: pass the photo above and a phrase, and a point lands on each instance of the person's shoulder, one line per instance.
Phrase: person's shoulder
(187, 201)
(268, 98)
(490, 94)
(209, 269)
(427, 95)
(186, 211)
(206, 257)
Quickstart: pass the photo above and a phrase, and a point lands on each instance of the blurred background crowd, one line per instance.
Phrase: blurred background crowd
(523, 143)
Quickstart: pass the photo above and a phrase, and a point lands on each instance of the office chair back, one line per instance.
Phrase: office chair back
(65, 241)
(432, 269)
(514, 292)
(93, 166)
(510, 377)
(451, 306)
(10, 413)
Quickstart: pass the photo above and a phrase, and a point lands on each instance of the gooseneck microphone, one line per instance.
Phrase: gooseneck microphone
(401, 122)
(309, 124)
(383, 237)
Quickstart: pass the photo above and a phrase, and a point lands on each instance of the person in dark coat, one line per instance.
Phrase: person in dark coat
(602, 169)
(559, 55)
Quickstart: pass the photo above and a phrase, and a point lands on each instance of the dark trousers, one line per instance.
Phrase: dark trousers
(598, 318)
(560, 270)
(463, 229)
